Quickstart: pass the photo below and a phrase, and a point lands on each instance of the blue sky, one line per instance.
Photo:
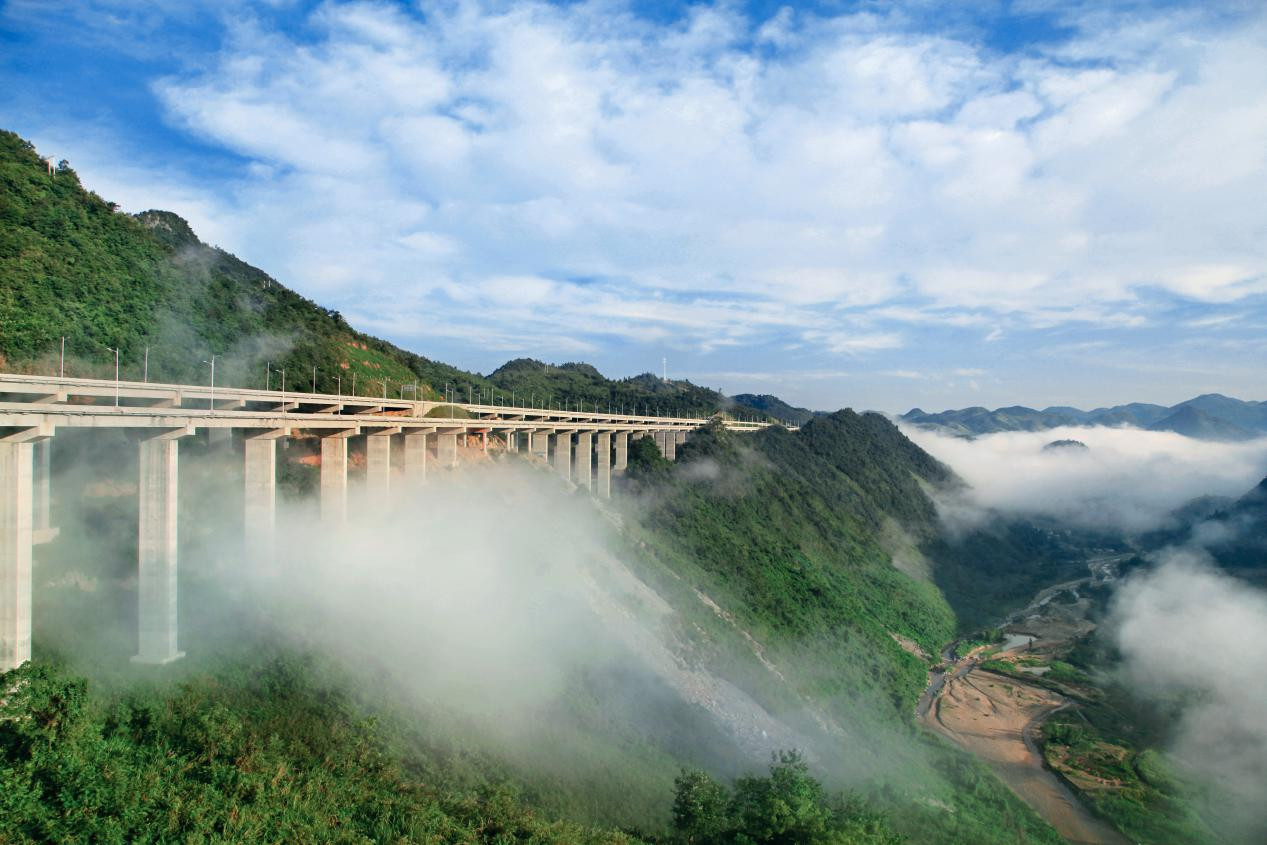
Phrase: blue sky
(864, 204)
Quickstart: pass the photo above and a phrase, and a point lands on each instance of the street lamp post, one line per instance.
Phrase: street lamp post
(115, 350)
(147, 365)
(212, 362)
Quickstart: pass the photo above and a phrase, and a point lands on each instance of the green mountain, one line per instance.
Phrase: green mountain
(803, 581)
(776, 408)
(72, 266)
(1208, 417)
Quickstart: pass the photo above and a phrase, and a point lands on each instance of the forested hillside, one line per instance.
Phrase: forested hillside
(73, 266)
(805, 574)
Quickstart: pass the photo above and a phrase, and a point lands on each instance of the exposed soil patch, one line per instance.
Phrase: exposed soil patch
(992, 716)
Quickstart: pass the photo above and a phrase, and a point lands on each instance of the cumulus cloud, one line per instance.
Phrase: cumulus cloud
(1188, 632)
(1127, 479)
(564, 177)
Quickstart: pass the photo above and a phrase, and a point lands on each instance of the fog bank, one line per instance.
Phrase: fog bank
(1186, 631)
(1127, 479)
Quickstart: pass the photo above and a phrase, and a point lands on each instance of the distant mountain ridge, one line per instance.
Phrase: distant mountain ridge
(1210, 416)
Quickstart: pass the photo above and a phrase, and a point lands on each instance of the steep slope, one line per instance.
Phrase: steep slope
(72, 266)
(1190, 421)
(776, 408)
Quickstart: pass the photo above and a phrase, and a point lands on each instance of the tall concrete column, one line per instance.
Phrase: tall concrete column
(447, 450)
(334, 478)
(539, 444)
(416, 456)
(43, 481)
(563, 454)
(261, 496)
(378, 463)
(670, 445)
(16, 515)
(512, 442)
(157, 552)
(583, 465)
(681, 437)
(622, 452)
(660, 442)
(603, 464)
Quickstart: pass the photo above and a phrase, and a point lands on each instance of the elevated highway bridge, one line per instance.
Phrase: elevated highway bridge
(403, 438)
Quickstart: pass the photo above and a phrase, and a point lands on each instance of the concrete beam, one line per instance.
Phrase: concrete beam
(583, 464)
(261, 497)
(622, 452)
(17, 492)
(563, 454)
(157, 545)
(378, 462)
(603, 464)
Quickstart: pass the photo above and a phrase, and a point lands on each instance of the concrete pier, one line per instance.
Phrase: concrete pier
(681, 437)
(512, 442)
(157, 552)
(416, 456)
(334, 478)
(660, 443)
(16, 517)
(602, 464)
(583, 464)
(539, 444)
(261, 496)
(563, 454)
(622, 452)
(670, 445)
(447, 450)
(42, 521)
(378, 464)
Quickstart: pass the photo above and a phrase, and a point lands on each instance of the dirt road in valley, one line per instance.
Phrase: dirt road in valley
(992, 716)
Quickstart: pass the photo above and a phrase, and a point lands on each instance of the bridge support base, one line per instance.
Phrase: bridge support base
(563, 455)
(334, 479)
(447, 450)
(157, 553)
(622, 452)
(583, 464)
(378, 463)
(603, 464)
(416, 457)
(261, 497)
(16, 516)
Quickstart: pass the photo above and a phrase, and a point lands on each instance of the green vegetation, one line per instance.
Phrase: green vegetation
(271, 757)
(72, 266)
(786, 808)
(793, 560)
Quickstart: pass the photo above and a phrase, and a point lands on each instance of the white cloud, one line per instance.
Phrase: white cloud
(709, 194)
(1127, 479)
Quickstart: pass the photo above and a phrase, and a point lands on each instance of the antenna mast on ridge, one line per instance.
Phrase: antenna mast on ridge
(664, 362)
